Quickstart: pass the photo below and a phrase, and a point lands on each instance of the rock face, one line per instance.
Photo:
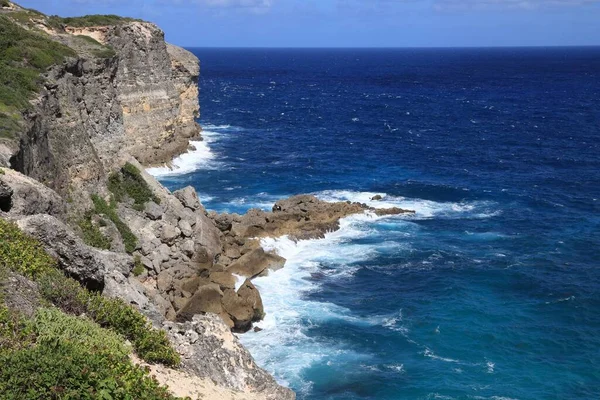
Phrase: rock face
(205, 339)
(22, 195)
(157, 91)
(93, 113)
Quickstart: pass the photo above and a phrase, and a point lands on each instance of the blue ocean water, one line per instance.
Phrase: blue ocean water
(492, 290)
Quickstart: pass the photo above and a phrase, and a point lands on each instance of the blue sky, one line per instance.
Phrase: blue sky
(354, 23)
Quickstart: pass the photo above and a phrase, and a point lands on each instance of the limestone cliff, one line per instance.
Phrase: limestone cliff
(97, 109)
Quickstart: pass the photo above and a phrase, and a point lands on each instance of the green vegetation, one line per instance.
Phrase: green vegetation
(102, 207)
(21, 253)
(57, 356)
(138, 268)
(4, 3)
(23, 56)
(25, 255)
(92, 20)
(92, 235)
(128, 182)
(97, 49)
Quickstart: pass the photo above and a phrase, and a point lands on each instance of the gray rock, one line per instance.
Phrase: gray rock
(153, 210)
(187, 247)
(186, 228)
(21, 195)
(86, 263)
(235, 368)
(169, 233)
(188, 197)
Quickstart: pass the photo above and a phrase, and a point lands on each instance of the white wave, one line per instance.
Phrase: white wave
(201, 157)
(283, 347)
(424, 209)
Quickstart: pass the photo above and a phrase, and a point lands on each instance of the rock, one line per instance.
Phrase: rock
(153, 210)
(187, 247)
(21, 195)
(185, 228)
(224, 279)
(377, 197)
(233, 252)
(235, 368)
(207, 299)
(169, 233)
(256, 261)
(21, 294)
(391, 211)
(244, 307)
(188, 197)
(222, 221)
(85, 263)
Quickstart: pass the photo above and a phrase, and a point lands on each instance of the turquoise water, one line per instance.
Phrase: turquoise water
(492, 290)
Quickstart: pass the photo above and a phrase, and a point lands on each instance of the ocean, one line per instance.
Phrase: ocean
(491, 290)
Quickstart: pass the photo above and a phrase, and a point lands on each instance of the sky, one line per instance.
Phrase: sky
(354, 23)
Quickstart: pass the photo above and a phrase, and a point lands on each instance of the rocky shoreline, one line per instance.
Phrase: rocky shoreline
(74, 179)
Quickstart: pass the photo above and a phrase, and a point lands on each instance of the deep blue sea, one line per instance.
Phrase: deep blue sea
(492, 289)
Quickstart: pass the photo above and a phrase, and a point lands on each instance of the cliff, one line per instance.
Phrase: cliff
(94, 100)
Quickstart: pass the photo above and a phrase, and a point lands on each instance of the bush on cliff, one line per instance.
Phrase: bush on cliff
(128, 182)
(56, 356)
(92, 236)
(91, 20)
(102, 207)
(26, 256)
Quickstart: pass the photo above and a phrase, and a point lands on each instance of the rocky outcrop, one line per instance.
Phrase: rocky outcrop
(87, 264)
(208, 348)
(21, 195)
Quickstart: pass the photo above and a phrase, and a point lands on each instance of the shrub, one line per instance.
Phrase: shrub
(73, 358)
(150, 344)
(21, 253)
(4, 3)
(25, 255)
(128, 182)
(92, 20)
(92, 235)
(102, 207)
(138, 268)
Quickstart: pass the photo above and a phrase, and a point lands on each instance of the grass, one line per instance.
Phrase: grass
(26, 256)
(138, 268)
(23, 56)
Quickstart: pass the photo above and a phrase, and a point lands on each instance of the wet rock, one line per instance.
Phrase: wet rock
(391, 211)
(377, 197)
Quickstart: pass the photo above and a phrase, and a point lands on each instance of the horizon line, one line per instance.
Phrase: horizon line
(390, 47)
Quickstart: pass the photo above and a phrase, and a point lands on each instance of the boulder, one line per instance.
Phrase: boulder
(244, 307)
(85, 263)
(377, 197)
(225, 280)
(207, 299)
(188, 197)
(153, 210)
(21, 195)
(255, 262)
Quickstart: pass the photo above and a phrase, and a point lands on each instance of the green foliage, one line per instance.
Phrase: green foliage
(92, 20)
(26, 256)
(129, 182)
(102, 207)
(15, 332)
(4, 3)
(2, 171)
(150, 344)
(21, 253)
(24, 55)
(73, 358)
(92, 235)
(138, 268)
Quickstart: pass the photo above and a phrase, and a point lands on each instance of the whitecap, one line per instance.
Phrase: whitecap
(200, 157)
